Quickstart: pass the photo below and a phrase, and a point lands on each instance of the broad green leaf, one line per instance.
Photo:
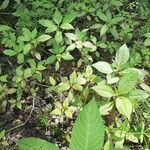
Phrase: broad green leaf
(71, 36)
(50, 60)
(73, 77)
(103, 90)
(96, 26)
(88, 130)
(124, 106)
(132, 137)
(63, 87)
(58, 37)
(71, 47)
(122, 55)
(27, 48)
(67, 56)
(103, 67)
(11, 91)
(20, 58)
(147, 42)
(32, 63)
(89, 45)
(27, 34)
(116, 3)
(66, 26)
(103, 29)
(77, 87)
(116, 20)
(34, 33)
(138, 94)
(3, 78)
(51, 27)
(52, 81)
(4, 28)
(40, 67)
(112, 80)
(69, 17)
(37, 55)
(57, 17)
(102, 16)
(68, 113)
(102, 45)
(19, 71)
(105, 108)
(27, 73)
(38, 76)
(127, 83)
(109, 145)
(57, 49)
(43, 38)
(141, 72)
(9, 52)
(35, 144)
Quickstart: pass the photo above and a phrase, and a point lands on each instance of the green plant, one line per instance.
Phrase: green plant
(87, 129)
(56, 55)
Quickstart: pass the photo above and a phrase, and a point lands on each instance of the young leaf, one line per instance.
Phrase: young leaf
(27, 73)
(69, 17)
(20, 58)
(67, 56)
(124, 106)
(43, 38)
(88, 131)
(71, 36)
(106, 107)
(138, 94)
(127, 83)
(90, 45)
(57, 17)
(66, 26)
(58, 37)
(103, 67)
(51, 27)
(4, 28)
(27, 48)
(102, 16)
(35, 144)
(122, 55)
(9, 52)
(103, 90)
(104, 29)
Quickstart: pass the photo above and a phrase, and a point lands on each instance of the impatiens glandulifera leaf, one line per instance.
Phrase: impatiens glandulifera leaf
(103, 67)
(88, 131)
(127, 83)
(103, 90)
(124, 106)
(122, 55)
(35, 144)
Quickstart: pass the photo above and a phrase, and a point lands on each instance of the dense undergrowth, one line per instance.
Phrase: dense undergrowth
(56, 56)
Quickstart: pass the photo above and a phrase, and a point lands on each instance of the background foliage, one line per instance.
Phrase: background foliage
(57, 55)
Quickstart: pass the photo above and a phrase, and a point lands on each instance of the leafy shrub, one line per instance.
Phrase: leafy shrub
(87, 129)
(57, 55)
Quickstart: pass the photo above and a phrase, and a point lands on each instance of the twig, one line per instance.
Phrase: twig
(33, 106)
